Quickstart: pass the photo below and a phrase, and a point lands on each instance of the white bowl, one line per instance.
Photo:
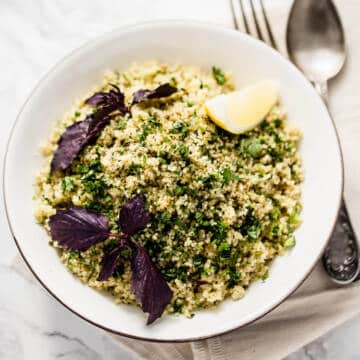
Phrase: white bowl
(249, 60)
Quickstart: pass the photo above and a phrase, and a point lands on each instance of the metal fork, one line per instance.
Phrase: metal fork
(265, 34)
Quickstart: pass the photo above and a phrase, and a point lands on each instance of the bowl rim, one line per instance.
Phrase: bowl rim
(201, 25)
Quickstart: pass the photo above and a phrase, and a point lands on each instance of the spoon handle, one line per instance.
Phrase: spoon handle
(341, 257)
(322, 89)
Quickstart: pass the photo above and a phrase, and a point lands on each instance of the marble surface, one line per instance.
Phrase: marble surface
(34, 34)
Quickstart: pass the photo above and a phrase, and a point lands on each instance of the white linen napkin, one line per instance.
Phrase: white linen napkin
(318, 305)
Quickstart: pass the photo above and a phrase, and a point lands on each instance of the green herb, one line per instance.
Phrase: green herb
(94, 166)
(290, 242)
(234, 277)
(180, 190)
(219, 230)
(145, 131)
(135, 168)
(226, 175)
(209, 180)
(121, 125)
(216, 267)
(172, 273)
(183, 151)
(165, 218)
(214, 137)
(94, 185)
(224, 250)
(119, 271)
(153, 121)
(251, 147)
(173, 81)
(265, 276)
(254, 232)
(94, 251)
(277, 123)
(180, 127)
(91, 265)
(198, 216)
(275, 214)
(199, 261)
(178, 308)
(153, 247)
(274, 229)
(112, 243)
(251, 226)
(147, 128)
(73, 255)
(67, 184)
(77, 114)
(219, 75)
(294, 218)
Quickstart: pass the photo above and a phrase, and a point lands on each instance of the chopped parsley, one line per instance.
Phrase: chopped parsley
(290, 242)
(251, 226)
(224, 250)
(180, 127)
(145, 131)
(294, 218)
(250, 147)
(67, 184)
(219, 230)
(218, 75)
(199, 261)
(234, 277)
(226, 174)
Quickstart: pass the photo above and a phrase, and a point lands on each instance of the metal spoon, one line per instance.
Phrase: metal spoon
(316, 44)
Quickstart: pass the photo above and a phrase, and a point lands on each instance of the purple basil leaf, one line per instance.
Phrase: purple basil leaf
(77, 229)
(148, 286)
(71, 142)
(77, 136)
(96, 99)
(80, 134)
(111, 259)
(161, 91)
(97, 121)
(113, 98)
(134, 216)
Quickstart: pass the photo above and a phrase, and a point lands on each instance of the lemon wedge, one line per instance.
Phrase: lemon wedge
(242, 110)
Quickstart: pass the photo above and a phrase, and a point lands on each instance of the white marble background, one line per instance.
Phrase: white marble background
(34, 34)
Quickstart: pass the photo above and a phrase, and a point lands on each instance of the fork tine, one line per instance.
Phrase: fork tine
(246, 24)
(256, 21)
(235, 20)
(268, 26)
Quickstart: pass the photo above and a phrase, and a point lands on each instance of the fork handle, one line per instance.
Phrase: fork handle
(341, 257)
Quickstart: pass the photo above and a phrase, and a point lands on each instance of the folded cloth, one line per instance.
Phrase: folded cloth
(318, 305)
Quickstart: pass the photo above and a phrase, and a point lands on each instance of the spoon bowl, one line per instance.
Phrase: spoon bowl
(315, 39)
